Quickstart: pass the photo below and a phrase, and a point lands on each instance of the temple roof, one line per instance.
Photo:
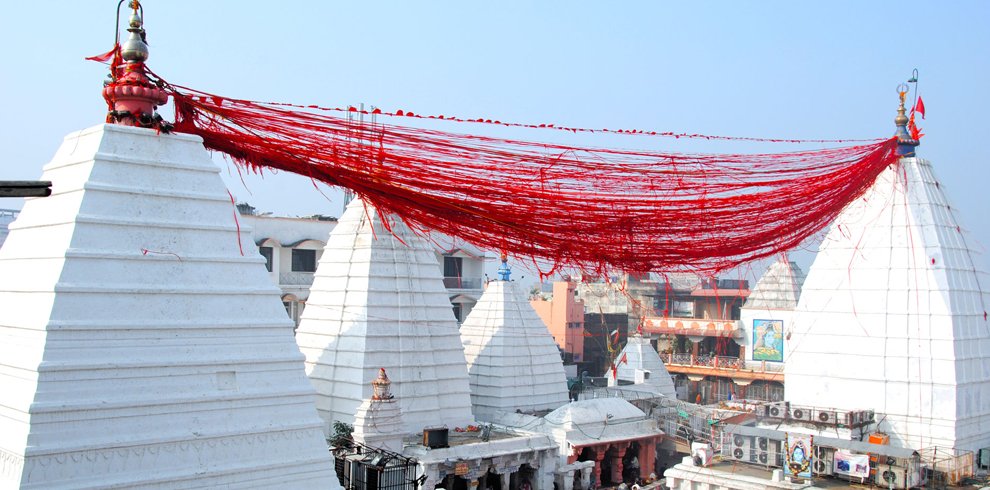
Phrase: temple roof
(779, 288)
(640, 354)
(892, 316)
(378, 301)
(594, 411)
(513, 361)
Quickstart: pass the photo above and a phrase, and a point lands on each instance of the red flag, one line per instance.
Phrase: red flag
(624, 359)
(615, 373)
(103, 58)
(920, 107)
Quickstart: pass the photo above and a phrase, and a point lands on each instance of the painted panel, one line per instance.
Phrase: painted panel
(768, 340)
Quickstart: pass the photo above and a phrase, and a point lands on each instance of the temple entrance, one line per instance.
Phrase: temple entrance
(492, 481)
(453, 482)
(608, 467)
(631, 464)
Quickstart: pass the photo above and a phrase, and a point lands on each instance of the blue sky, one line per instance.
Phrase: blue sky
(766, 69)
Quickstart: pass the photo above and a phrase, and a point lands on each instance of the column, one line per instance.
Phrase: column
(617, 464)
(506, 479)
(596, 474)
(567, 480)
(647, 456)
(586, 474)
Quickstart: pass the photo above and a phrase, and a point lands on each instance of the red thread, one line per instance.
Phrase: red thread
(591, 208)
(236, 222)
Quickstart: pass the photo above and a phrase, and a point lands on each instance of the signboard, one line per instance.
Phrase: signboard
(461, 469)
(849, 464)
(798, 455)
(768, 340)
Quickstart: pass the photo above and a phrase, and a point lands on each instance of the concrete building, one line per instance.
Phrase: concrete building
(699, 336)
(140, 346)
(563, 315)
(378, 301)
(292, 246)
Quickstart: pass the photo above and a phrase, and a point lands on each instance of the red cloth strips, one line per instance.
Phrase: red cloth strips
(598, 209)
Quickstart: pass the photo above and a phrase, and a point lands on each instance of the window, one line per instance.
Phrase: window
(452, 266)
(266, 252)
(303, 260)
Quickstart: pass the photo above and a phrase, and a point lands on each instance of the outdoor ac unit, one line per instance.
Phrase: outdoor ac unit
(767, 451)
(983, 459)
(891, 476)
(824, 462)
(741, 448)
(868, 416)
(827, 417)
(801, 414)
(777, 410)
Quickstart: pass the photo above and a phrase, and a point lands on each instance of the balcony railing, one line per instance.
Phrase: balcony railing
(454, 282)
(718, 362)
(295, 278)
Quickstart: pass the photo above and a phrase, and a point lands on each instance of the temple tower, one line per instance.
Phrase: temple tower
(639, 364)
(140, 345)
(513, 361)
(892, 316)
(378, 301)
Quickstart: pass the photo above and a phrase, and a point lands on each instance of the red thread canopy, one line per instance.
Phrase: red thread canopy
(592, 208)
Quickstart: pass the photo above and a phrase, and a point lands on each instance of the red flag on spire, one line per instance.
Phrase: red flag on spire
(920, 107)
(615, 372)
(624, 359)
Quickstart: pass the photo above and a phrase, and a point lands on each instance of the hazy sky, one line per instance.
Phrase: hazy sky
(766, 69)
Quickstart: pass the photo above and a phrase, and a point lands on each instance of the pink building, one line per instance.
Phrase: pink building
(563, 314)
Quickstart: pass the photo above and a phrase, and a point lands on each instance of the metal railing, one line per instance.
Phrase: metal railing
(718, 362)
(455, 282)
(295, 278)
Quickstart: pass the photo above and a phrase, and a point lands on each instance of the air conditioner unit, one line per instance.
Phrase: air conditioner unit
(891, 477)
(768, 452)
(868, 416)
(983, 459)
(801, 414)
(741, 448)
(827, 417)
(777, 410)
(824, 462)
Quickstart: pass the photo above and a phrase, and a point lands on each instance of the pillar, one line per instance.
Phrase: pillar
(620, 451)
(506, 479)
(647, 457)
(568, 481)
(586, 477)
(597, 472)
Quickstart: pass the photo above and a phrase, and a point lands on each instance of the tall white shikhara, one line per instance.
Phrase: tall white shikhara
(513, 361)
(378, 301)
(138, 346)
(891, 317)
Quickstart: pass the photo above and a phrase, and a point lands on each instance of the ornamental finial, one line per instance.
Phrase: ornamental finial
(504, 271)
(905, 142)
(381, 386)
(132, 97)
